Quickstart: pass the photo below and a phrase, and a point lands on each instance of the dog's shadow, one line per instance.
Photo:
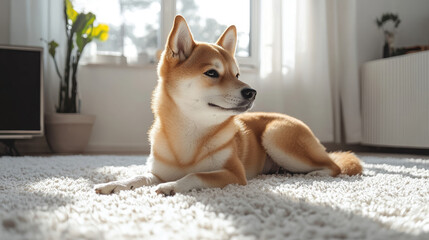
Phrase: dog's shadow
(263, 211)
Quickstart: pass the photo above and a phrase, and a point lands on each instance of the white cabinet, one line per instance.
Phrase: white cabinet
(395, 101)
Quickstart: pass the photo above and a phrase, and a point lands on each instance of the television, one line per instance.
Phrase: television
(21, 92)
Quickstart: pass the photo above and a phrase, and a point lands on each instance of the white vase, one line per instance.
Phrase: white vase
(68, 132)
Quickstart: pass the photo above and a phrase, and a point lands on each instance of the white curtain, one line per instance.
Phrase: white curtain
(30, 22)
(309, 65)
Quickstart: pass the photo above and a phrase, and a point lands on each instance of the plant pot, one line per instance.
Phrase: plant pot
(68, 132)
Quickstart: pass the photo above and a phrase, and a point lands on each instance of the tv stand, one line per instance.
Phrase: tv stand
(10, 147)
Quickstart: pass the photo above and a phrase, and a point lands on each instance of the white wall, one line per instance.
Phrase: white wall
(4, 21)
(413, 30)
(120, 97)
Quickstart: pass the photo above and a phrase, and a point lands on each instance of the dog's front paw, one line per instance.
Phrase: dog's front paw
(167, 189)
(109, 188)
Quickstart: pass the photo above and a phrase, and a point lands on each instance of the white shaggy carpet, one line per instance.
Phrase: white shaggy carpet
(53, 198)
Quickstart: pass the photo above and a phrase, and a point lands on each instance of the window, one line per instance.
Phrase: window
(208, 20)
(139, 28)
(134, 26)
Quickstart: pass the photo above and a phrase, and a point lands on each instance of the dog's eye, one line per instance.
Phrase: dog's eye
(238, 75)
(212, 73)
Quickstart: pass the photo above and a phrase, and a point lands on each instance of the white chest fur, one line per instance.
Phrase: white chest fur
(169, 172)
(190, 148)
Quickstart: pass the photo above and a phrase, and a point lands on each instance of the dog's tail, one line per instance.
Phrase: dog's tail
(348, 162)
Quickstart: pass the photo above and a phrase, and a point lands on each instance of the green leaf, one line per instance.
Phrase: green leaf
(52, 48)
(82, 23)
(81, 42)
(388, 17)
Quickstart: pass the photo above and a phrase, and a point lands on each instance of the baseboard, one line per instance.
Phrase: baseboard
(359, 148)
(39, 146)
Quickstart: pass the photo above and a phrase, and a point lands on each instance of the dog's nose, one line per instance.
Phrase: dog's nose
(248, 93)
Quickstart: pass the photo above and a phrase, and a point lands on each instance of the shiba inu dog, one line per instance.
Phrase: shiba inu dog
(201, 136)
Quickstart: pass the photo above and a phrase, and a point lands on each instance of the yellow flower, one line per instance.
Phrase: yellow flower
(71, 13)
(101, 32)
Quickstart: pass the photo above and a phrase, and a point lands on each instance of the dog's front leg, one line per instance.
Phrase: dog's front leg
(219, 178)
(147, 179)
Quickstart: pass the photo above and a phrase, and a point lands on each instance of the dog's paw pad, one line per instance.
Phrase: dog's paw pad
(166, 189)
(164, 193)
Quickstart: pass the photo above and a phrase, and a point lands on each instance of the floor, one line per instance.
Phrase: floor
(53, 198)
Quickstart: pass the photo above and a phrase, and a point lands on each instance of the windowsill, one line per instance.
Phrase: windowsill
(116, 65)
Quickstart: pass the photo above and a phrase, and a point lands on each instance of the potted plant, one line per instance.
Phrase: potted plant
(389, 34)
(67, 130)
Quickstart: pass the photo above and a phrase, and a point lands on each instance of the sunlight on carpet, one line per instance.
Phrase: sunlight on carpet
(53, 198)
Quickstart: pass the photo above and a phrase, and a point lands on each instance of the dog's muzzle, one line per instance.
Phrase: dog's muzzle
(248, 95)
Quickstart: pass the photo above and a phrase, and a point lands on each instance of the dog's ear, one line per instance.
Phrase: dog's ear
(228, 40)
(180, 43)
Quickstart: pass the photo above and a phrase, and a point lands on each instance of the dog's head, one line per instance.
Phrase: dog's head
(203, 78)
